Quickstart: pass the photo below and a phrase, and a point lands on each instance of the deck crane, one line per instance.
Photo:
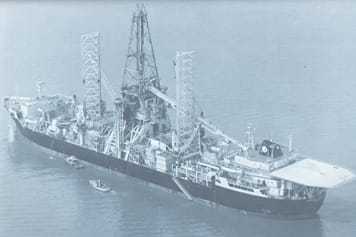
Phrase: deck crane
(207, 124)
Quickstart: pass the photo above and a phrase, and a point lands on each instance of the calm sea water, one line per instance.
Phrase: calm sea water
(285, 68)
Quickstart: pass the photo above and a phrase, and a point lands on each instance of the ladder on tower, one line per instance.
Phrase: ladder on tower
(182, 188)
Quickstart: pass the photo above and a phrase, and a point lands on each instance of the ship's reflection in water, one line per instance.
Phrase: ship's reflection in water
(51, 197)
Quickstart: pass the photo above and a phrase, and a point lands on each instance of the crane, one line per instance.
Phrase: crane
(206, 124)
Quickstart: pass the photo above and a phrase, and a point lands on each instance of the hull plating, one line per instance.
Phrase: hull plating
(211, 193)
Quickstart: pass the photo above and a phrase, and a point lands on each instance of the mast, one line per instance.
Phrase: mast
(39, 86)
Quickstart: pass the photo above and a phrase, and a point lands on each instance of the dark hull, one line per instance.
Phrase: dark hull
(211, 193)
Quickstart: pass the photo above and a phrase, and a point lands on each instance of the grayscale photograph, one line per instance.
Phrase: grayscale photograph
(177, 118)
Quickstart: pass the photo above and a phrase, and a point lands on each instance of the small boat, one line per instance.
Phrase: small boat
(98, 185)
(72, 161)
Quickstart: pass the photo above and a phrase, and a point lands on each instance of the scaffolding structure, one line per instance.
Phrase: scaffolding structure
(91, 74)
(186, 118)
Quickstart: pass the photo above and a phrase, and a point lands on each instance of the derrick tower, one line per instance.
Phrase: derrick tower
(140, 74)
(140, 67)
(90, 53)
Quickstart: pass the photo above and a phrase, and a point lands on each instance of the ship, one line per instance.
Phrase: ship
(146, 134)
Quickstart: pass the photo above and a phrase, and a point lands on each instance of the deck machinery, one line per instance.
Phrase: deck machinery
(189, 155)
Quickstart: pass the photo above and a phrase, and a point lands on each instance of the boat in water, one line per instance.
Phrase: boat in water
(191, 155)
(72, 161)
(99, 185)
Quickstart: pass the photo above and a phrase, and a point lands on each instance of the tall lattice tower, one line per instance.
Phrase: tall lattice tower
(140, 67)
(140, 74)
(186, 122)
(90, 52)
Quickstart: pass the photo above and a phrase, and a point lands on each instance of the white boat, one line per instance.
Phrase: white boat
(98, 185)
(72, 161)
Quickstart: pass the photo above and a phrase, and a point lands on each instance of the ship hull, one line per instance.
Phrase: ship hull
(211, 193)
